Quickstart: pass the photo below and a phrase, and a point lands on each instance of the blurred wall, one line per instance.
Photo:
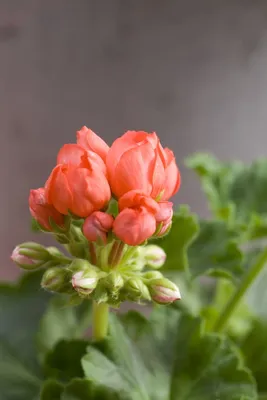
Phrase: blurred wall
(193, 70)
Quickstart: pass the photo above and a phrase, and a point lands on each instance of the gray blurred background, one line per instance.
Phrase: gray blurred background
(193, 70)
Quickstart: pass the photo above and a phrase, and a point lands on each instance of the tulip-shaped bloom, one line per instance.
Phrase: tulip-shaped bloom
(42, 211)
(73, 154)
(134, 225)
(135, 198)
(164, 217)
(137, 161)
(97, 226)
(79, 187)
(89, 140)
(163, 291)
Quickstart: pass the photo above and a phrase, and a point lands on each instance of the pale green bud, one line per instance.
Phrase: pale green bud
(84, 276)
(30, 255)
(163, 291)
(136, 289)
(152, 275)
(57, 279)
(114, 281)
(154, 256)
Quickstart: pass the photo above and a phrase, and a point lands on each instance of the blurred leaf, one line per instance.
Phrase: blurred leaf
(240, 321)
(18, 380)
(255, 353)
(83, 389)
(215, 252)
(183, 231)
(64, 361)
(21, 308)
(256, 296)
(236, 192)
(146, 353)
(62, 322)
(100, 369)
(208, 367)
(204, 248)
(51, 390)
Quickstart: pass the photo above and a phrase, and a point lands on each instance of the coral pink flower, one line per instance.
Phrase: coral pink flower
(137, 161)
(97, 225)
(135, 198)
(42, 211)
(80, 189)
(75, 155)
(134, 225)
(164, 216)
(89, 140)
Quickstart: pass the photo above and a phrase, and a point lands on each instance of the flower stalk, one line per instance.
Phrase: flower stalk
(249, 278)
(100, 321)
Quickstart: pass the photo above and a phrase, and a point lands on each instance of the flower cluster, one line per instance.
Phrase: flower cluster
(136, 170)
(77, 202)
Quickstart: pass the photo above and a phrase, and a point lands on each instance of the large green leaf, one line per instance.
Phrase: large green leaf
(215, 251)
(208, 367)
(51, 390)
(21, 308)
(61, 321)
(201, 248)
(63, 362)
(18, 380)
(128, 373)
(168, 357)
(83, 389)
(236, 192)
(255, 352)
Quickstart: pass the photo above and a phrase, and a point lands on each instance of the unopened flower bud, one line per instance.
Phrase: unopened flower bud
(57, 279)
(163, 291)
(114, 281)
(97, 226)
(42, 211)
(136, 289)
(84, 276)
(164, 218)
(30, 255)
(152, 275)
(154, 256)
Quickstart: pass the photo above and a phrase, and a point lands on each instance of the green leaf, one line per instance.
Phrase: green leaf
(130, 375)
(215, 251)
(64, 361)
(22, 307)
(255, 353)
(236, 192)
(62, 322)
(83, 389)
(51, 390)
(240, 321)
(183, 231)
(18, 380)
(208, 367)
(99, 369)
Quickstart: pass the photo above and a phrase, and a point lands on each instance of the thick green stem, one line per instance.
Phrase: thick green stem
(100, 321)
(249, 278)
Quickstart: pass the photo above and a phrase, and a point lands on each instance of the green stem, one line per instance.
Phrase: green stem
(249, 278)
(100, 321)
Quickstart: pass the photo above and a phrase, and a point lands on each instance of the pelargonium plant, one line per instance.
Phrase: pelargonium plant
(65, 334)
